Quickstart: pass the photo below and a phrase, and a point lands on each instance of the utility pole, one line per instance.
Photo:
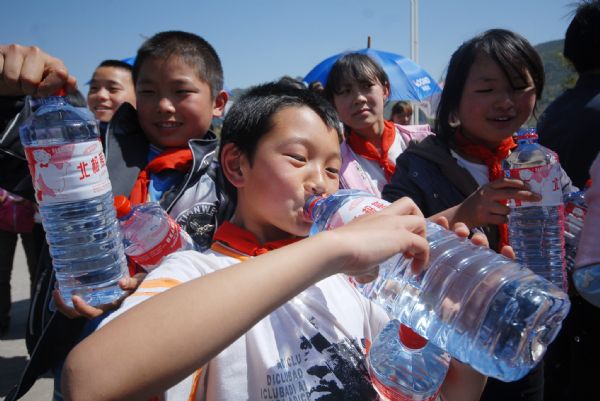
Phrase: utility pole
(414, 46)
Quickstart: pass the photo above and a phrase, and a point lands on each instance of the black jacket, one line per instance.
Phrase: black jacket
(428, 174)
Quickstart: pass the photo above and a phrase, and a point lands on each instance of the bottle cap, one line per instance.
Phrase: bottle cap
(410, 339)
(60, 92)
(527, 133)
(122, 205)
(310, 204)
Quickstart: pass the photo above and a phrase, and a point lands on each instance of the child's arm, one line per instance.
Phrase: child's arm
(182, 329)
(462, 383)
(28, 70)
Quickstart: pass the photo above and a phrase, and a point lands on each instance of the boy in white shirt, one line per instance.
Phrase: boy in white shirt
(283, 325)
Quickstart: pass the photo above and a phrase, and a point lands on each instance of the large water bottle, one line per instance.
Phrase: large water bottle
(404, 366)
(481, 307)
(535, 229)
(575, 210)
(586, 275)
(67, 165)
(149, 233)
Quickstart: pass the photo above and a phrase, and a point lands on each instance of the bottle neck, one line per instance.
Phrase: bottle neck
(36, 103)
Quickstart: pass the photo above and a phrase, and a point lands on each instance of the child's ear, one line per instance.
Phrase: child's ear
(231, 164)
(386, 92)
(219, 104)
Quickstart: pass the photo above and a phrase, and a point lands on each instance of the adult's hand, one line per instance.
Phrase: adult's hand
(28, 70)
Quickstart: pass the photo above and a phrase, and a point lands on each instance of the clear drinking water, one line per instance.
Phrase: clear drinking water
(535, 229)
(575, 210)
(67, 165)
(481, 307)
(404, 366)
(149, 233)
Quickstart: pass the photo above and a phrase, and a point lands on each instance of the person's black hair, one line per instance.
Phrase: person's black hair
(582, 39)
(194, 50)
(251, 116)
(354, 66)
(116, 64)
(402, 107)
(513, 54)
(287, 80)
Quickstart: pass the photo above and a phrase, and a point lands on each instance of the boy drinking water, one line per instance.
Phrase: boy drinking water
(282, 325)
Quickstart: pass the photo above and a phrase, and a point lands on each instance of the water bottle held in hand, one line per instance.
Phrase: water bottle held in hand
(67, 165)
(481, 307)
(149, 233)
(535, 229)
(404, 366)
(575, 210)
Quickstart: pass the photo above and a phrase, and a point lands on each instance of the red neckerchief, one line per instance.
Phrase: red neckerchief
(245, 242)
(170, 159)
(366, 149)
(492, 158)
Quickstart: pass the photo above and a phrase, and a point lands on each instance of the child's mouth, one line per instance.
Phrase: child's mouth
(168, 125)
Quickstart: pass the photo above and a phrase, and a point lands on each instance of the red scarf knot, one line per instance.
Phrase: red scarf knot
(493, 160)
(179, 159)
(366, 149)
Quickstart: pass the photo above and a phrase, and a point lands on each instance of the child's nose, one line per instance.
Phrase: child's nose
(165, 106)
(102, 93)
(506, 99)
(316, 183)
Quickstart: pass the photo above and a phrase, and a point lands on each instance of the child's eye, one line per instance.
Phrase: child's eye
(484, 90)
(523, 88)
(297, 157)
(333, 170)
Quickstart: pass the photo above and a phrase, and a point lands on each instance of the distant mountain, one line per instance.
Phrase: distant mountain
(560, 75)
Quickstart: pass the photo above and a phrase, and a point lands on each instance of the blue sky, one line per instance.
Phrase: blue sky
(262, 40)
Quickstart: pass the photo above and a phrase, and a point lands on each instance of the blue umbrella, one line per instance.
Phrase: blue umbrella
(408, 80)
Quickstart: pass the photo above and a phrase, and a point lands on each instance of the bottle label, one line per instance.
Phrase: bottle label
(353, 209)
(71, 172)
(171, 242)
(578, 212)
(543, 180)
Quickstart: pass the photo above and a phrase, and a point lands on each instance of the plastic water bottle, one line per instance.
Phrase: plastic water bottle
(575, 210)
(535, 229)
(479, 306)
(149, 233)
(404, 366)
(67, 165)
(586, 276)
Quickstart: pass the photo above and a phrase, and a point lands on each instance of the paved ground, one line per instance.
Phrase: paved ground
(13, 354)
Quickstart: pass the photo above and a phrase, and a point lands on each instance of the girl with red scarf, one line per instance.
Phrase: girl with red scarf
(359, 88)
(492, 85)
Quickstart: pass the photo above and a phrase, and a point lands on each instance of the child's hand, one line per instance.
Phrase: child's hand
(28, 70)
(83, 309)
(483, 206)
(372, 239)
(478, 237)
